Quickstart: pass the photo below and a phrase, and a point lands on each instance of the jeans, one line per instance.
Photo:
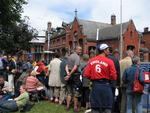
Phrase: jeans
(8, 106)
(6, 96)
(134, 101)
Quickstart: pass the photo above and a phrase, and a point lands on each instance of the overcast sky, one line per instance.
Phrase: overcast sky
(56, 11)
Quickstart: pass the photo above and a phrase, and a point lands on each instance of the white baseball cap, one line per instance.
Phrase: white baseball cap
(103, 46)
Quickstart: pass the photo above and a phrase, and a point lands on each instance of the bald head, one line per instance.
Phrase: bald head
(78, 50)
(130, 53)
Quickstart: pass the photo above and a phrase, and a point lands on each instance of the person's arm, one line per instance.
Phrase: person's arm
(75, 67)
(20, 97)
(67, 69)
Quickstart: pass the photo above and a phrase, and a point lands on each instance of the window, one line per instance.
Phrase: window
(75, 39)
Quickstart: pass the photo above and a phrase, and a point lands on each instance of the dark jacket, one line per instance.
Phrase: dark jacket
(62, 69)
(117, 67)
(85, 81)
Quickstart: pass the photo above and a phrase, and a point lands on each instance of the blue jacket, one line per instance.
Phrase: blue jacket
(129, 77)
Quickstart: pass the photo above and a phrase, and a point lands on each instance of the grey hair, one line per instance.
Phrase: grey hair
(135, 60)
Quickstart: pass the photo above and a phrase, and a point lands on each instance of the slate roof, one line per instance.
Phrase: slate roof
(106, 31)
(90, 28)
(112, 32)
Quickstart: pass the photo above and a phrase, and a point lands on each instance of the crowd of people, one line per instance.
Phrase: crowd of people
(97, 81)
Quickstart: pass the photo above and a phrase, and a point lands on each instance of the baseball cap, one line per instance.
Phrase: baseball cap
(102, 46)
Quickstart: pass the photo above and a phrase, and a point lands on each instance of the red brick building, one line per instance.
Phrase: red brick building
(111, 36)
(88, 33)
(145, 45)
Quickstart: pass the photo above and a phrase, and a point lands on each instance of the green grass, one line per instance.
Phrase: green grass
(48, 107)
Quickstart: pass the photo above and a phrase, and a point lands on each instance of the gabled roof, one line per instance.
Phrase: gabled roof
(38, 39)
(112, 32)
(90, 28)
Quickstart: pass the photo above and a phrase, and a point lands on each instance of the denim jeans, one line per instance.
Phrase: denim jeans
(8, 106)
(134, 101)
(6, 96)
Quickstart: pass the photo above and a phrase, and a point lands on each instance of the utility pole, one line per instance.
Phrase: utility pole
(48, 40)
(121, 37)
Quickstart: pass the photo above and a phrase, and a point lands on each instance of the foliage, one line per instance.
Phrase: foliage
(10, 11)
(15, 33)
(15, 38)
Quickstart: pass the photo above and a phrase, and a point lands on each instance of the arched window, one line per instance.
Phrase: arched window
(131, 34)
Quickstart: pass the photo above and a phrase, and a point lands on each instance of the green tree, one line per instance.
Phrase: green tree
(17, 37)
(10, 11)
(15, 33)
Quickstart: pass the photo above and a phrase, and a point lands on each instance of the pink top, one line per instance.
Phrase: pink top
(31, 83)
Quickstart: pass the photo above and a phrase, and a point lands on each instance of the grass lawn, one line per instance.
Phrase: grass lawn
(48, 107)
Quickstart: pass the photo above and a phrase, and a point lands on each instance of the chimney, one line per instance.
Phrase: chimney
(145, 29)
(49, 24)
(113, 19)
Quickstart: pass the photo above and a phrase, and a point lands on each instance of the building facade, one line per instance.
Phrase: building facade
(88, 34)
(145, 45)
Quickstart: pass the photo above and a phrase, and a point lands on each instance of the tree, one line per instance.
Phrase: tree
(16, 38)
(15, 33)
(10, 11)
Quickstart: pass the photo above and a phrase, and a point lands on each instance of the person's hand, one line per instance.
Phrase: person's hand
(4, 90)
(67, 77)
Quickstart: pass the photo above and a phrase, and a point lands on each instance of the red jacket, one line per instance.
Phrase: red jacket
(41, 67)
(100, 67)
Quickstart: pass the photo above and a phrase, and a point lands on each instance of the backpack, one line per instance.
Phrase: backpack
(1, 64)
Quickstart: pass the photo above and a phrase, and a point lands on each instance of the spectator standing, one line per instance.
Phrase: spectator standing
(124, 64)
(63, 74)
(115, 84)
(101, 70)
(73, 78)
(54, 77)
(85, 83)
(41, 69)
(129, 75)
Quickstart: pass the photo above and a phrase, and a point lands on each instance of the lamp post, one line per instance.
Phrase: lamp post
(121, 37)
(48, 40)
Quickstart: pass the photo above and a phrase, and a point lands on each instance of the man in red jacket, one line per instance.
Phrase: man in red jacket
(101, 70)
